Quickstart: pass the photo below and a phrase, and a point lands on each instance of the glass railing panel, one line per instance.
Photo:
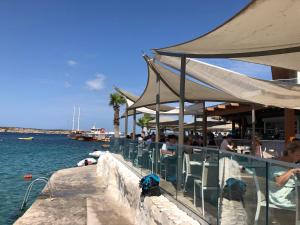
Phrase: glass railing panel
(208, 186)
(192, 165)
(166, 166)
(283, 191)
(241, 179)
(217, 185)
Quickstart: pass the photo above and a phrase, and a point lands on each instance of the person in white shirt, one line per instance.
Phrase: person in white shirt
(226, 143)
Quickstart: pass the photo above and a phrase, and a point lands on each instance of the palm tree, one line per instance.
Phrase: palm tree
(116, 100)
(144, 121)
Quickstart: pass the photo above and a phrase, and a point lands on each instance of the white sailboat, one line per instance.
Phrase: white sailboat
(76, 134)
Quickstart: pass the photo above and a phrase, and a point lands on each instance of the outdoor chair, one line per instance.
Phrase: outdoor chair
(209, 181)
(261, 200)
(187, 168)
(165, 160)
(132, 150)
(139, 155)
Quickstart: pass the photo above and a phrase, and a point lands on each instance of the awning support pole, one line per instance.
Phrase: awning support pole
(253, 130)
(195, 126)
(157, 126)
(204, 124)
(181, 122)
(134, 124)
(126, 122)
(157, 109)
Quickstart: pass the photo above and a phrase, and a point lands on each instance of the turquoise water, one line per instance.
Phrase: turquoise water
(40, 157)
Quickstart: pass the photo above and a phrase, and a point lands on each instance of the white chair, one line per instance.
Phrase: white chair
(209, 181)
(261, 200)
(186, 169)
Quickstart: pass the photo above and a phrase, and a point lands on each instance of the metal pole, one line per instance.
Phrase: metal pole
(73, 124)
(134, 124)
(253, 130)
(126, 122)
(195, 127)
(181, 122)
(204, 125)
(157, 126)
(78, 119)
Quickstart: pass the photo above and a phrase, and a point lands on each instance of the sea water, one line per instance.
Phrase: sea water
(42, 156)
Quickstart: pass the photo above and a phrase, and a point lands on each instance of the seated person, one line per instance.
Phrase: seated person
(189, 140)
(198, 141)
(282, 189)
(170, 147)
(226, 143)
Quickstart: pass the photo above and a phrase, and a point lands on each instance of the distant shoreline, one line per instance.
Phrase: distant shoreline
(23, 130)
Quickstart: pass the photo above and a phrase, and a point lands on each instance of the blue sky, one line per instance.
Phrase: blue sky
(55, 54)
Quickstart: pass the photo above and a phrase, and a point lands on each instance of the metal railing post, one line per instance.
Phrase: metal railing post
(267, 192)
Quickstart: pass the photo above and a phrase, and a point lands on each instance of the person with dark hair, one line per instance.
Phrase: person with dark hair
(258, 145)
(226, 143)
(282, 189)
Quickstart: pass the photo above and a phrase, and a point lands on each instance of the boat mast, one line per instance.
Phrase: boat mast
(73, 125)
(78, 118)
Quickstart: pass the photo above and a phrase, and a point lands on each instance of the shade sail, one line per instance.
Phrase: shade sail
(133, 98)
(171, 122)
(263, 92)
(165, 122)
(169, 89)
(195, 109)
(265, 32)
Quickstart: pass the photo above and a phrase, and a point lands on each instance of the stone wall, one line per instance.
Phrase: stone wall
(123, 186)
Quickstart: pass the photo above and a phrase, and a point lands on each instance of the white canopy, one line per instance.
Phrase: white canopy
(250, 89)
(265, 32)
(194, 109)
(169, 89)
(133, 98)
(171, 122)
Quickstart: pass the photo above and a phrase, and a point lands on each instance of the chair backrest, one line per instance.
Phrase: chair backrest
(259, 194)
(210, 174)
(186, 167)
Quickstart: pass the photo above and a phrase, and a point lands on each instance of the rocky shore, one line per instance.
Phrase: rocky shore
(31, 130)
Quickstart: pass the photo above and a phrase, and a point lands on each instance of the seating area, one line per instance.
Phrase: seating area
(198, 180)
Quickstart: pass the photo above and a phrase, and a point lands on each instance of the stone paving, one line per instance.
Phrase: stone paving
(79, 198)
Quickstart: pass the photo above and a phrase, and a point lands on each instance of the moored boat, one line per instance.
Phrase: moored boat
(86, 162)
(96, 154)
(26, 138)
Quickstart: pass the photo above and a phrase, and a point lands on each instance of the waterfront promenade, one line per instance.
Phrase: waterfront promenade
(80, 197)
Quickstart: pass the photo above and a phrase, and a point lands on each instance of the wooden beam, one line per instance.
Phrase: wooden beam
(234, 104)
(210, 109)
(223, 106)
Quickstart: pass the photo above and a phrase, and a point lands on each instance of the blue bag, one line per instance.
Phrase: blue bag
(234, 189)
(150, 185)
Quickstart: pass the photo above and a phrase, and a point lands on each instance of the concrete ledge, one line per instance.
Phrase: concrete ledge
(123, 185)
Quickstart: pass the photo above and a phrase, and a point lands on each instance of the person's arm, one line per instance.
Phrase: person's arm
(282, 179)
(229, 147)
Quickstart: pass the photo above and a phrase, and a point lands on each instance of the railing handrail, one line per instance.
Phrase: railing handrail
(26, 196)
(270, 161)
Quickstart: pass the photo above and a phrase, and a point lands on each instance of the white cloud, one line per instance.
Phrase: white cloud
(97, 83)
(67, 84)
(71, 62)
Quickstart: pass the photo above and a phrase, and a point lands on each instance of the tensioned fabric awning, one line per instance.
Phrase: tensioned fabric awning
(169, 89)
(133, 98)
(171, 122)
(194, 109)
(263, 92)
(265, 32)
